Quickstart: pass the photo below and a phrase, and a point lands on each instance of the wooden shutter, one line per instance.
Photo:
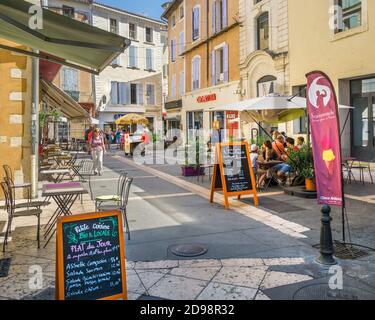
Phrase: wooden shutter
(226, 62)
(140, 93)
(114, 92)
(213, 17)
(122, 94)
(213, 67)
(225, 13)
(182, 83)
(127, 93)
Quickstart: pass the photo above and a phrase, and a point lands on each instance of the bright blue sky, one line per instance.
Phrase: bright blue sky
(150, 8)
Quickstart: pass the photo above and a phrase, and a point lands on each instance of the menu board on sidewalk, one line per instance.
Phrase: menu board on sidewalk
(233, 172)
(90, 262)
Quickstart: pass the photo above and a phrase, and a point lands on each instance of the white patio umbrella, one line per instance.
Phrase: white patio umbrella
(273, 108)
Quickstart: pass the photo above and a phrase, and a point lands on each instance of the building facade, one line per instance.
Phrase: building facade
(203, 62)
(134, 82)
(264, 55)
(336, 37)
(78, 84)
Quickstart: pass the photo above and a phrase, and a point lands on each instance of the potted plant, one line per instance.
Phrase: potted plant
(193, 169)
(302, 162)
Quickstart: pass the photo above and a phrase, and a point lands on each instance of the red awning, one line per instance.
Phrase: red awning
(89, 107)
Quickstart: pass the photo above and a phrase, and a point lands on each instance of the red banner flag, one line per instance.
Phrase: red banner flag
(324, 120)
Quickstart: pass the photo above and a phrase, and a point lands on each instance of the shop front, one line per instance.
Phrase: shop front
(172, 119)
(217, 126)
(363, 118)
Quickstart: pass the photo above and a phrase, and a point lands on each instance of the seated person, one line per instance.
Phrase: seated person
(283, 168)
(267, 154)
(278, 146)
(300, 142)
(290, 144)
(254, 157)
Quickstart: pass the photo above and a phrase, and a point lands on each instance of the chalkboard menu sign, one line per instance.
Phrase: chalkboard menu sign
(236, 168)
(90, 257)
(233, 172)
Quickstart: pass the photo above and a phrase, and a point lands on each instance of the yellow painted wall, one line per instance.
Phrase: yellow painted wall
(231, 37)
(15, 109)
(313, 46)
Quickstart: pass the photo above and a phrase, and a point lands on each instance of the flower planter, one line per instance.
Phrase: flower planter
(310, 184)
(192, 171)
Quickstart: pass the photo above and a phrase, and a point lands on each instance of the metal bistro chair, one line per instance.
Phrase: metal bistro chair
(125, 191)
(362, 167)
(112, 198)
(12, 213)
(10, 178)
(25, 205)
(85, 172)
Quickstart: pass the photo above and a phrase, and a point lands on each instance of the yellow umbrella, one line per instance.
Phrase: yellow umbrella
(132, 118)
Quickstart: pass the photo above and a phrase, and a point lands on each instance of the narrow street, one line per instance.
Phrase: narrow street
(250, 254)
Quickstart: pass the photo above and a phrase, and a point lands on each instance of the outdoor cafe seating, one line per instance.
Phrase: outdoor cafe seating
(122, 204)
(14, 210)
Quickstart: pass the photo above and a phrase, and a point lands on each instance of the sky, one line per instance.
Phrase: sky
(149, 8)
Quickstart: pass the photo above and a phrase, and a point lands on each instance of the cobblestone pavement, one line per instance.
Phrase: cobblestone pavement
(252, 253)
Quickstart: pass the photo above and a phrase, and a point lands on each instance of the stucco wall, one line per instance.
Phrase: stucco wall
(344, 56)
(15, 108)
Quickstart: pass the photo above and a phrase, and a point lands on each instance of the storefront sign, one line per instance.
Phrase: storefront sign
(207, 98)
(232, 124)
(323, 114)
(90, 262)
(118, 116)
(233, 173)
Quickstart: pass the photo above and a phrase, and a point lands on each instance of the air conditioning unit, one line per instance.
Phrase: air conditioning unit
(221, 77)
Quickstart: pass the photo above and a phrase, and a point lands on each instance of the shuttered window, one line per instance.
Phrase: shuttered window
(173, 50)
(149, 59)
(181, 84)
(196, 23)
(150, 92)
(133, 57)
(196, 65)
(120, 92)
(70, 79)
(181, 43)
(219, 15)
(220, 65)
(174, 80)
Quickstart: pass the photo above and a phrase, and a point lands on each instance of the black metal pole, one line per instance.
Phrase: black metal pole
(326, 242)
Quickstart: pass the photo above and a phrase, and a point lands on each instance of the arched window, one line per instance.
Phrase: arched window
(263, 33)
(266, 85)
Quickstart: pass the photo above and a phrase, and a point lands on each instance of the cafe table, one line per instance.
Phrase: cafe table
(65, 195)
(59, 173)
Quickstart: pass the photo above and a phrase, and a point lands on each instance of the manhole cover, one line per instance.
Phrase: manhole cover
(188, 250)
(323, 292)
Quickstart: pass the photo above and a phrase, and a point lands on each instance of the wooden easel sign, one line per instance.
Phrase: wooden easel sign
(90, 260)
(233, 173)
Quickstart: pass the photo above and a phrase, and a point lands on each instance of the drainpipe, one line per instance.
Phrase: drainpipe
(35, 127)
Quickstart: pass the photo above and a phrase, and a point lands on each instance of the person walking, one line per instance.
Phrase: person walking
(98, 150)
(118, 137)
(89, 138)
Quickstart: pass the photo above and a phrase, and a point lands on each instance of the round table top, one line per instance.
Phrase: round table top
(270, 163)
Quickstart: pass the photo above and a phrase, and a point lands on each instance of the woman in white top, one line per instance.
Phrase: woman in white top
(98, 149)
